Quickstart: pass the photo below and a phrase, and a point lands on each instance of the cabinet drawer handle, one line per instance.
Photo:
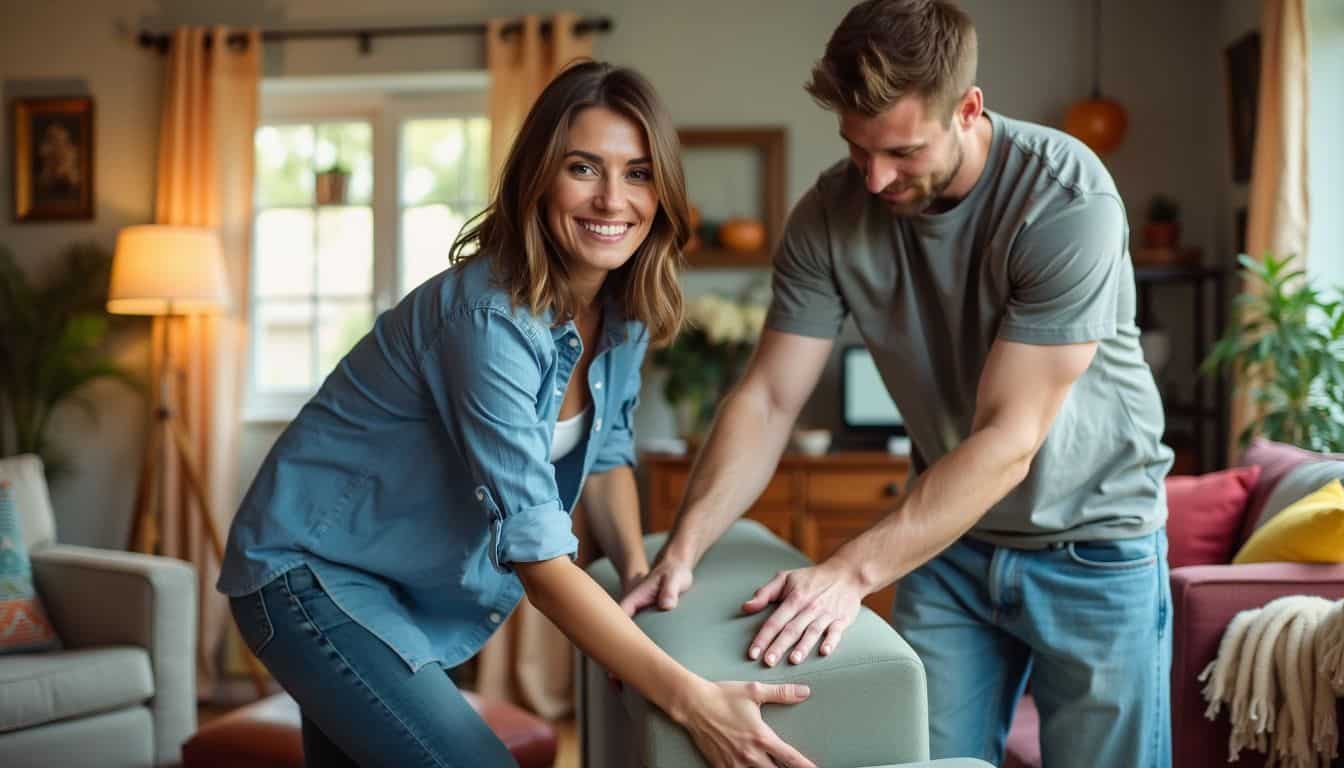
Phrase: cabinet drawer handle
(891, 489)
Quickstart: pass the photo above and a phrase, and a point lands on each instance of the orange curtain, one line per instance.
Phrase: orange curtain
(521, 63)
(1278, 211)
(209, 115)
(528, 661)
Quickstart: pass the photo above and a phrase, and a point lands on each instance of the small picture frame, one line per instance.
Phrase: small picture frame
(1242, 61)
(52, 159)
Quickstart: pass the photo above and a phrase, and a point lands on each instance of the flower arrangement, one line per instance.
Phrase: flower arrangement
(707, 356)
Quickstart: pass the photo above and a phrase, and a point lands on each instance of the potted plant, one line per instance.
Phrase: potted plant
(706, 358)
(332, 183)
(1163, 229)
(1287, 343)
(50, 347)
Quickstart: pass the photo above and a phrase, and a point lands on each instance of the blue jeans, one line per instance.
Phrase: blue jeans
(361, 704)
(1089, 623)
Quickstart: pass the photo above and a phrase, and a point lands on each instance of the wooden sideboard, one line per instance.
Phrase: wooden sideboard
(817, 503)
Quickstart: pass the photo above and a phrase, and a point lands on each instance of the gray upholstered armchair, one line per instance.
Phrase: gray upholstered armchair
(122, 690)
(868, 707)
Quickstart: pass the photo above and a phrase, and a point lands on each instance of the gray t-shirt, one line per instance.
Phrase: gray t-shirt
(1036, 253)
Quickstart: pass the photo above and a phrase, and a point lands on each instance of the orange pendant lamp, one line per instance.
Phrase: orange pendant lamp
(1098, 122)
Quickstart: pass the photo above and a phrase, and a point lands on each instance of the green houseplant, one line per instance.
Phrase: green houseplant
(50, 346)
(1287, 343)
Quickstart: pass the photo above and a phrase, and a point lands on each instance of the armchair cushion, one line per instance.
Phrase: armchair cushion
(868, 704)
(23, 623)
(37, 688)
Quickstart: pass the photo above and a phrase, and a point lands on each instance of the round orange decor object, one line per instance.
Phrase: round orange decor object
(1098, 123)
(742, 234)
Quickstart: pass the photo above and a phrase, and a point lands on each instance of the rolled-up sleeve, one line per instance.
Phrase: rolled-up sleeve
(485, 375)
(618, 447)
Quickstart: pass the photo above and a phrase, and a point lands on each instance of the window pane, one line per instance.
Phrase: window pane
(345, 251)
(432, 161)
(348, 146)
(284, 252)
(341, 324)
(478, 160)
(284, 357)
(284, 165)
(427, 232)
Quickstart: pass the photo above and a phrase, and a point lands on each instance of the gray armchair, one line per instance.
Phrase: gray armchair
(868, 705)
(122, 690)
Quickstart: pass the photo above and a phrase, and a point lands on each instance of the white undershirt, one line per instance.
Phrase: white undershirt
(568, 434)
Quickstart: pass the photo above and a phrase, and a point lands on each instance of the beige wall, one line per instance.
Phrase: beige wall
(715, 62)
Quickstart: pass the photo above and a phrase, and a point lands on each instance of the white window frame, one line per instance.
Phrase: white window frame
(386, 102)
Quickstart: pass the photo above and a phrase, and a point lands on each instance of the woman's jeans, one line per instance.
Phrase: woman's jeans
(1088, 623)
(361, 703)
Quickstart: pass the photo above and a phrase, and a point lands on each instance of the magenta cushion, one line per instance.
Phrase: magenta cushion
(1205, 515)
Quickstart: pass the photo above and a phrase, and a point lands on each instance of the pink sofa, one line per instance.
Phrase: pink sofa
(1204, 600)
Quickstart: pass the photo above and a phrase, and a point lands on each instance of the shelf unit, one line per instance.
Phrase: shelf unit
(770, 142)
(1208, 408)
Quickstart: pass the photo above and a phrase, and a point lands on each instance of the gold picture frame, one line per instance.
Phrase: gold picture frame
(52, 159)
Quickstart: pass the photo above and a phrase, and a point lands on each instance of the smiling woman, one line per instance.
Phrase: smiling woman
(604, 195)
(358, 577)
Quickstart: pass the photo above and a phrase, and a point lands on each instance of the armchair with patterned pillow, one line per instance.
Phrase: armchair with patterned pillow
(116, 684)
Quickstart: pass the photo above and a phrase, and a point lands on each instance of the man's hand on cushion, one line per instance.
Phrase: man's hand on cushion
(817, 603)
(661, 586)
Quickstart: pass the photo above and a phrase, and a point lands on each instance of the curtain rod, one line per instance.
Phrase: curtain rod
(365, 35)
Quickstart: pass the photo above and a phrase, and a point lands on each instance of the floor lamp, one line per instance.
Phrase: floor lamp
(167, 271)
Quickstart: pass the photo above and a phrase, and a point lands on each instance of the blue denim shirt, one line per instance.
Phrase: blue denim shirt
(420, 470)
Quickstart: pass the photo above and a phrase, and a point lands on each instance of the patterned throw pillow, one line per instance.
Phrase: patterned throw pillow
(23, 623)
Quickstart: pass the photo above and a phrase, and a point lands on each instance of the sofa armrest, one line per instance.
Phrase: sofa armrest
(1204, 600)
(104, 597)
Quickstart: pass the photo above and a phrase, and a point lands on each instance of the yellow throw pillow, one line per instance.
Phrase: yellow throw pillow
(1310, 530)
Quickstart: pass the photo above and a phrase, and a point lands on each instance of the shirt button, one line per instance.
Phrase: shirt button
(559, 392)
(598, 385)
(480, 495)
(495, 618)
(597, 424)
(573, 342)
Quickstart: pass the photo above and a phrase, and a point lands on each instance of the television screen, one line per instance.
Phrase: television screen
(865, 401)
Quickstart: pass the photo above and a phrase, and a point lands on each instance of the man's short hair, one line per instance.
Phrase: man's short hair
(884, 50)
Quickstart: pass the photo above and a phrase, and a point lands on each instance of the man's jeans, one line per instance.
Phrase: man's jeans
(1089, 624)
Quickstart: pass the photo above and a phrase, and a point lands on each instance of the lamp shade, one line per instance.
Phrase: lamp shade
(164, 270)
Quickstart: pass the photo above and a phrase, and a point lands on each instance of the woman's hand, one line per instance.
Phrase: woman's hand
(726, 725)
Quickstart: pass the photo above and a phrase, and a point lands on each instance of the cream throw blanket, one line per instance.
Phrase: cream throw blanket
(1278, 671)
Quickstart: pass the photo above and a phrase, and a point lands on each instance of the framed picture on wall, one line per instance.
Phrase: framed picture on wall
(52, 159)
(1242, 61)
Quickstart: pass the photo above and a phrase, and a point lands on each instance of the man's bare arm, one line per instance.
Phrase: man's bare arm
(738, 460)
(1021, 390)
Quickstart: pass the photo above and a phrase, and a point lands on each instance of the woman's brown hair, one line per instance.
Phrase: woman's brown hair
(512, 230)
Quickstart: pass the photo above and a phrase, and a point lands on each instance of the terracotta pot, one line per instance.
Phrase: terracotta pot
(742, 235)
(1161, 234)
(331, 187)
